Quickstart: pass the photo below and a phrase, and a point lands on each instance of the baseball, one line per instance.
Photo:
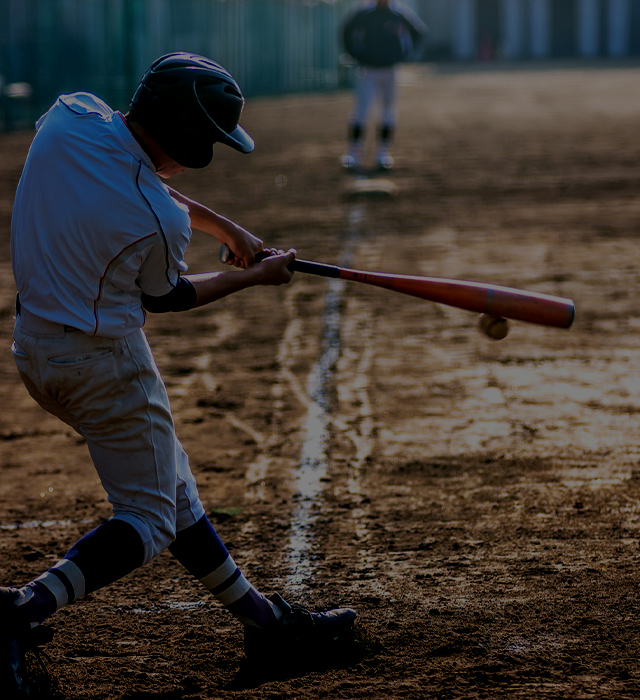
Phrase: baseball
(495, 327)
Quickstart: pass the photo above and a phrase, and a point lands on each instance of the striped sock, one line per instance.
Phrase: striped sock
(199, 549)
(101, 557)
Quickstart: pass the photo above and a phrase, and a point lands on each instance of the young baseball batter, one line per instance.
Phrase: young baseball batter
(97, 241)
(379, 37)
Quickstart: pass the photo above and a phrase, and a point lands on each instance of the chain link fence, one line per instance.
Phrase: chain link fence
(48, 47)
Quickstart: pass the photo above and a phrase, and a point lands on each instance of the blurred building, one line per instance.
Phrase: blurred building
(484, 30)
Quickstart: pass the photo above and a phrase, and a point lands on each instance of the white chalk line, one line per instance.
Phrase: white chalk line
(312, 474)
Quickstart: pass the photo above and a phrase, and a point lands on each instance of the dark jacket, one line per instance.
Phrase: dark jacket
(380, 37)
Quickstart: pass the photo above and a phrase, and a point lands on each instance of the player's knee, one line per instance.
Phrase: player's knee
(162, 535)
(157, 533)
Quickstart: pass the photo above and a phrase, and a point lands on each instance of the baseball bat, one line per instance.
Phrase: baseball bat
(492, 299)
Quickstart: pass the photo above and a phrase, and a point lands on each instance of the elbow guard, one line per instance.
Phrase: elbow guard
(181, 298)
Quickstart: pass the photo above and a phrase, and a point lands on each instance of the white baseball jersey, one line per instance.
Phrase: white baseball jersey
(105, 226)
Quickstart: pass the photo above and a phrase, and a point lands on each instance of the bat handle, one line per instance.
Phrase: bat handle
(307, 266)
(225, 254)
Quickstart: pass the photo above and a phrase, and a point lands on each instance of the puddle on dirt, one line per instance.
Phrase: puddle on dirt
(30, 524)
(168, 605)
(598, 477)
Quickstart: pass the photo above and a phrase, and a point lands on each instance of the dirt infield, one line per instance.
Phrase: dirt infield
(476, 501)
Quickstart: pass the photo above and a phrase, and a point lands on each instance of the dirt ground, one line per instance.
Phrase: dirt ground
(476, 501)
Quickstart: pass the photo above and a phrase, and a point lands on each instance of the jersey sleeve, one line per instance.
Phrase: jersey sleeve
(162, 260)
(414, 25)
(158, 275)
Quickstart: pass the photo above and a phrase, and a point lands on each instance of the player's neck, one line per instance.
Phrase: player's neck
(139, 134)
(165, 166)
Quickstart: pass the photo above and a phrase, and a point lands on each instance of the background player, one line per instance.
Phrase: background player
(378, 37)
(97, 238)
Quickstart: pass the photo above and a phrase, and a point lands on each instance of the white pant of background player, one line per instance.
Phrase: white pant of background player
(373, 84)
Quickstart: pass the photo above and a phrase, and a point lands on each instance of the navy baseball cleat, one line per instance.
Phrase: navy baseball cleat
(300, 637)
(17, 639)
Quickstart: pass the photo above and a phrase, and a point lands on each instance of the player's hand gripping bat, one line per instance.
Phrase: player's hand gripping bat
(491, 299)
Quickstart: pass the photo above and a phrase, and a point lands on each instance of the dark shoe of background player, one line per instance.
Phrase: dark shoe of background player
(351, 162)
(384, 161)
(17, 639)
(301, 638)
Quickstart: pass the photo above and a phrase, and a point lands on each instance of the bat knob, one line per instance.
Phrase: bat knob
(225, 253)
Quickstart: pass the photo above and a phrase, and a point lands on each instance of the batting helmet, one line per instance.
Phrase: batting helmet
(187, 103)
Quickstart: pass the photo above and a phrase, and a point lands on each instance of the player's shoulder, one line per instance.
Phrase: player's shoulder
(360, 11)
(405, 13)
(85, 103)
(77, 104)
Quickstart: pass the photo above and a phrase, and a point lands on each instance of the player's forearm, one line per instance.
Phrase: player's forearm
(205, 219)
(242, 242)
(211, 286)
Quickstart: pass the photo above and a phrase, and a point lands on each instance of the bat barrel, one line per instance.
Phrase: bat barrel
(515, 304)
(542, 309)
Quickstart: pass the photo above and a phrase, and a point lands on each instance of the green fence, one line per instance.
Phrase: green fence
(48, 47)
